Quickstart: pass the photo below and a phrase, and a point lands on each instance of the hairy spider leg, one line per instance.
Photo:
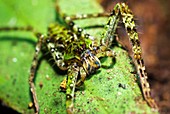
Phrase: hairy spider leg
(85, 16)
(33, 70)
(91, 61)
(54, 34)
(73, 72)
(109, 34)
(79, 31)
(121, 11)
(40, 38)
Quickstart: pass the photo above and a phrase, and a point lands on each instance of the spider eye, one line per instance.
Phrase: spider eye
(47, 40)
(80, 30)
(86, 35)
(52, 50)
(71, 24)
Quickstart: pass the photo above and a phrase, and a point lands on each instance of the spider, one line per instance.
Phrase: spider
(79, 53)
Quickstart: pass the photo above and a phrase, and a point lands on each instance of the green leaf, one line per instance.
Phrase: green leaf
(111, 90)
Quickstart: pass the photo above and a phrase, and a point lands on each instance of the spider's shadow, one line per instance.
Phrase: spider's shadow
(15, 40)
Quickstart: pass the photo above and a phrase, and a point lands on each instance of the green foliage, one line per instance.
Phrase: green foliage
(111, 90)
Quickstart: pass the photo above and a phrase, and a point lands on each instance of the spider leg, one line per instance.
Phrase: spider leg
(53, 45)
(90, 65)
(40, 38)
(121, 11)
(33, 70)
(104, 51)
(83, 77)
(110, 30)
(63, 85)
(78, 30)
(57, 56)
(73, 73)
(90, 61)
(85, 16)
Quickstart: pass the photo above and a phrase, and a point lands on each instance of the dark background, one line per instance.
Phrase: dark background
(153, 25)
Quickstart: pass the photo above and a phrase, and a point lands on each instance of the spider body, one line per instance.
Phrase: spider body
(76, 52)
(79, 53)
(66, 46)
